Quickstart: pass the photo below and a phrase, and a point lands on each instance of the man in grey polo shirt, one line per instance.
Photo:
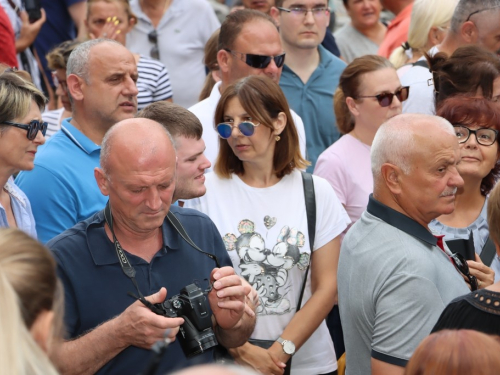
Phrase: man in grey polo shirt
(394, 280)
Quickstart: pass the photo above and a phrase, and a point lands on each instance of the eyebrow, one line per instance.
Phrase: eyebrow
(317, 5)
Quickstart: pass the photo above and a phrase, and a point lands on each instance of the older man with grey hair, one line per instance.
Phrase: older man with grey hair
(395, 277)
(101, 76)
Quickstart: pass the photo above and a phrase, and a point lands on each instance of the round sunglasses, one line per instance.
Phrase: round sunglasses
(385, 99)
(246, 128)
(33, 127)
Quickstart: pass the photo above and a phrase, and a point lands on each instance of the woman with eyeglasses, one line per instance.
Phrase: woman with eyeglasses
(113, 19)
(476, 122)
(369, 93)
(21, 132)
(256, 199)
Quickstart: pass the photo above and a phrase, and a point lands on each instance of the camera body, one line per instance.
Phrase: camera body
(196, 334)
(34, 9)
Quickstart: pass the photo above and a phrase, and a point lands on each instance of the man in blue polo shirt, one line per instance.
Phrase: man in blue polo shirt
(101, 77)
(311, 73)
(110, 331)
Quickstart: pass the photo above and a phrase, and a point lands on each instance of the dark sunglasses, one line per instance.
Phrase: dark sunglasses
(258, 61)
(33, 127)
(246, 128)
(461, 265)
(153, 38)
(385, 99)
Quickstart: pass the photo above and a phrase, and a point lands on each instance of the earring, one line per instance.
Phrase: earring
(277, 138)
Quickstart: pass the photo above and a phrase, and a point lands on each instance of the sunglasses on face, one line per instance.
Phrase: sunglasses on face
(484, 136)
(246, 128)
(153, 38)
(385, 99)
(258, 61)
(461, 265)
(33, 127)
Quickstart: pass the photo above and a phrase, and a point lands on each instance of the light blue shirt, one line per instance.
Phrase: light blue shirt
(62, 188)
(21, 208)
(313, 102)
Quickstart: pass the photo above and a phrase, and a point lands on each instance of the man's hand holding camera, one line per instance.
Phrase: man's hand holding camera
(142, 328)
(228, 302)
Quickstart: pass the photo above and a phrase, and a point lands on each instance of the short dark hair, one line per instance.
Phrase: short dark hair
(176, 119)
(263, 100)
(466, 110)
(234, 23)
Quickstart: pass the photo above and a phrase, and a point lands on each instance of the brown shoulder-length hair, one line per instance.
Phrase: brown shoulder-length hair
(466, 110)
(456, 352)
(263, 100)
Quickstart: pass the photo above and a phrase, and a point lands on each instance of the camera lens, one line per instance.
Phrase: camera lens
(193, 342)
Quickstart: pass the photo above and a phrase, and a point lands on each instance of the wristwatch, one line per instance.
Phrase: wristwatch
(288, 346)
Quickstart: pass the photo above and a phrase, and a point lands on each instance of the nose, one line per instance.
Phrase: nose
(396, 103)
(309, 18)
(235, 132)
(456, 180)
(205, 163)
(472, 141)
(130, 87)
(39, 139)
(272, 71)
(153, 200)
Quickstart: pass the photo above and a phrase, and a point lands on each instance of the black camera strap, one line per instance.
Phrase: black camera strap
(129, 270)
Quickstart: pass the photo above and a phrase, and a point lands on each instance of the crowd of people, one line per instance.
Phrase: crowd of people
(243, 187)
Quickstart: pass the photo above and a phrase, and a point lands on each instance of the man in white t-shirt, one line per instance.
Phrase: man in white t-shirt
(245, 37)
(473, 22)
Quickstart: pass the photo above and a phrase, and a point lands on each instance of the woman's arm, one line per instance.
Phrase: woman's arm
(324, 262)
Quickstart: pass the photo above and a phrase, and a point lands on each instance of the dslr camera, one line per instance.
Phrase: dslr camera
(196, 334)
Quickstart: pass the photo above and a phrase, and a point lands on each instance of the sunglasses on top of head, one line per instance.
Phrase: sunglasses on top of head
(258, 61)
(246, 128)
(385, 99)
(33, 127)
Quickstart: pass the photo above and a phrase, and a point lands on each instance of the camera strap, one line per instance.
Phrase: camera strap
(129, 270)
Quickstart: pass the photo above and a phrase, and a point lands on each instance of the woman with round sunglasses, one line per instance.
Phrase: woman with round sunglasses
(113, 19)
(476, 122)
(256, 199)
(21, 132)
(369, 93)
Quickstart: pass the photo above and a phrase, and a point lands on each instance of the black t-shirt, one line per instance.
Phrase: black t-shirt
(479, 310)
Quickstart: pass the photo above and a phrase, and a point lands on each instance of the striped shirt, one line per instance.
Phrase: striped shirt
(153, 82)
(53, 119)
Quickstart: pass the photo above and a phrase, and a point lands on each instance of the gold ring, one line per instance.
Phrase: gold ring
(479, 283)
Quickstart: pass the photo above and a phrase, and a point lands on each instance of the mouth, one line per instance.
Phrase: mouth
(129, 106)
(449, 193)
(469, 158)
(200, 177)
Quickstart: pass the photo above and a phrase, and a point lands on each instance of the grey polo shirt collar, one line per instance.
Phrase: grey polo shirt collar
(400, 221)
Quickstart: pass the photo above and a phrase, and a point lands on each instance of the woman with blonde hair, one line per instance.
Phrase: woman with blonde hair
(31, 303)
(430, 21)
(21, 132)
(256, 198)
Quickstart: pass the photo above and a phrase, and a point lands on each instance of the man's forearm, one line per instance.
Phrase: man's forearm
(238, 335)
(88, 353)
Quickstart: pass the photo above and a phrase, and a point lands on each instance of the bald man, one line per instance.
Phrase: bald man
(395, 278)
(109, 330)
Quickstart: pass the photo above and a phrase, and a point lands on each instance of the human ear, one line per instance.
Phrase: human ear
(41, 329)
(391, 175)
(223, 59)
(74, 84)
(275, 14)
(433, 36)
(279, 123)
(352, 105)
(468, 32)
(102, 181)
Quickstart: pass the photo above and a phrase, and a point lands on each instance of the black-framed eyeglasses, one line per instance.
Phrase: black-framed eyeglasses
(461, 265)
(225, 129)
(302, 12)
(481, 10)
(484, 136)
(258, 61)
(153, 38)
(385, 99)
(33, 127)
